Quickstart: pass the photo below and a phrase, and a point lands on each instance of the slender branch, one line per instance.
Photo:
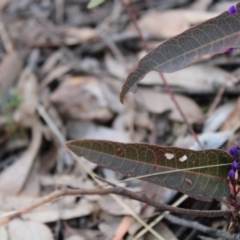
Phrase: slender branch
(50, 198)
(217, 99)
(197, 226)
(118, 191)
(131, 12)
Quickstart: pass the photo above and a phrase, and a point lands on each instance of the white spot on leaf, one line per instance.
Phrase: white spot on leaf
(188, 180)
(169, 156)
(183, 158)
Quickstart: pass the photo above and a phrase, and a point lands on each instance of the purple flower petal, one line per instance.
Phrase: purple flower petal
(233, 151)
(229, 50)
(231, 173)
(234, 164)
(232, 9)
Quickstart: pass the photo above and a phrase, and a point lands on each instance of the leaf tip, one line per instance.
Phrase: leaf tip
(121, 97)
(68, 144)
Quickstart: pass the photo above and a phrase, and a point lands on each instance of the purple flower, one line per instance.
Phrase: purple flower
(231, 173)
(232, 9)
(234, 164)
(233, 151)
(229, 50)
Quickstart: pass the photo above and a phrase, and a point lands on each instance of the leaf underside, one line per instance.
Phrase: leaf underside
(137, 159)
(214, 36)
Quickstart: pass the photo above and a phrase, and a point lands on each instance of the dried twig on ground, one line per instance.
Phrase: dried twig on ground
(118, 191)
(200, 227)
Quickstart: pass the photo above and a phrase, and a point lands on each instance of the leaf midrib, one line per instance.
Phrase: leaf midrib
(195, 49)
(177, 170)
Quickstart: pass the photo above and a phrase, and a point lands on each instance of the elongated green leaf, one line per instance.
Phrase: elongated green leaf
(211, 37)
(138, 159)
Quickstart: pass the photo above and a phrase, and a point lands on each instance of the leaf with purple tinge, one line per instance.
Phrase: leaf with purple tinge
(199, 174)
(214, 36)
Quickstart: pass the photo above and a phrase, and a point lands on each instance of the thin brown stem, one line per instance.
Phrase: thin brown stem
(217, 99)
(118, 191)
(132, 14)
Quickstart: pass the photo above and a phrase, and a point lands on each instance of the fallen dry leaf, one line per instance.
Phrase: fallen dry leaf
(26, 230)
(158, 102)
(184, 141)
(56, 73)
(3, 233)
(110, 206)
(85, 234)
(76, 237)
(32, 185)
(218, 117)
(232, 123)
(111, 92)
(51, 62)
(61, 210)
(123, 227)
(207, 139)
(13, 178)
(197, 77)
(108, 225)
(82, 98)
(28, 90)
(63, 35)
(211, 140)
(48, 159)
(66, 180)
(80, 35)
(201, 5)
(3, 4)
(66, 208)
(80, 130)
(9, 70)
(13, 203)
(175, 21)
(115, 68)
